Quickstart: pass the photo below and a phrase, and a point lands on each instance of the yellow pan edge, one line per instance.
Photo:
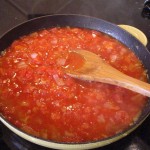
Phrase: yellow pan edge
(136, 33)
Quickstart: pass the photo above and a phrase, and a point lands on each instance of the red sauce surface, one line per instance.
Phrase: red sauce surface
(39, 98)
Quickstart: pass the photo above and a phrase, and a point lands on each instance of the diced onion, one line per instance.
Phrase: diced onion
(22, 65)
(54, 41)
(101, 118)
(93, 35)
(61, 61)
(58, 80)
(34, 55)
(113, 58)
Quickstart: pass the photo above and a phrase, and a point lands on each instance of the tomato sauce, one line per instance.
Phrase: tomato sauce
(38, 97)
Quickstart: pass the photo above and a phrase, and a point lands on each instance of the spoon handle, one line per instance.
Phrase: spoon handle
(115, 77)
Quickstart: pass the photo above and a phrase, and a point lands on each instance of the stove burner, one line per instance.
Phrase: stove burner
(146, 9)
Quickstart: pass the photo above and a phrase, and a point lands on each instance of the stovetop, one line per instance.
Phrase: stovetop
(129, 12)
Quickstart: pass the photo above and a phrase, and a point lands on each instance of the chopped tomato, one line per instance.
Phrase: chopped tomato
(37, 96)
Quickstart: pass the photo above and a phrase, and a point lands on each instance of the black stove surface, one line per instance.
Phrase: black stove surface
(129, 12)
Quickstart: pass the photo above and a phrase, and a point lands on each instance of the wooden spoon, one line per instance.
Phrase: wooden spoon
(96, 69)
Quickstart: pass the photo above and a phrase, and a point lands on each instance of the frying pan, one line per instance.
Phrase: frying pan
(81, 22)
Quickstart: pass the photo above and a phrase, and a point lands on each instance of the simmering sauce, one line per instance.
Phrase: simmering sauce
(39, 98)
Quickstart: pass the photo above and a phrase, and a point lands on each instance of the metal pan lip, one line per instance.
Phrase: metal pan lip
(84, 145)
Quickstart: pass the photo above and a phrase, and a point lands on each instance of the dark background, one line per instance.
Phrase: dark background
(129, 12)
